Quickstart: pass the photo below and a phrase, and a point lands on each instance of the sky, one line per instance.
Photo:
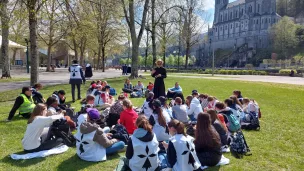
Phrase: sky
(209, 6)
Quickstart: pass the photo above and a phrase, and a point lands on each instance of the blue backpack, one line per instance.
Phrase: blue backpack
(113, 92)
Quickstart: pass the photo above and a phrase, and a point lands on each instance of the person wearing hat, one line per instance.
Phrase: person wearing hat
(76, 78)
(93, 144)
(24, 103)
(195, 106)
(159, 73)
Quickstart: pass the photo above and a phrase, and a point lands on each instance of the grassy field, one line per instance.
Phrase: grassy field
(277, 146)
(13, 80)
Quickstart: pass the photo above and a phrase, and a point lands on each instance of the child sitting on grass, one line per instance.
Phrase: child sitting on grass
(93, 143)
(180, 111)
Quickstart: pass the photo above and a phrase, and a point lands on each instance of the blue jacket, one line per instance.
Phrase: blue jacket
(177, 90)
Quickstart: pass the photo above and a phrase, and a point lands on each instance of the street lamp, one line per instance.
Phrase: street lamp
(27, 56)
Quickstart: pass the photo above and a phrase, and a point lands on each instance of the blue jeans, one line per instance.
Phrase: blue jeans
(115, 147)
(192, 118)
(163, 160)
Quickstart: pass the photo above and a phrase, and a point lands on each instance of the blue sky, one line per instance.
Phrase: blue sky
(210, 9)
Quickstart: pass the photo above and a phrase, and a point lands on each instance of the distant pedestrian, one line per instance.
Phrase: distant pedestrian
(76, 78)
(88, 71)
(125, 69)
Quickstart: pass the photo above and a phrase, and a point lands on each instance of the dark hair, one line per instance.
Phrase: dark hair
(179, 126)
(205, 135)
(75, 61)
(220, 105)
(37, 85)
(50, 101)
(178, 100)
(229, 102)
(214, 117)
(90, 97)
(204, 96)
(61, 92)
(210, 98)
(93, 82)
(121, 97)
(235, 100)
(24, 89)
(142, 122)
(161, 119)
(237, 92)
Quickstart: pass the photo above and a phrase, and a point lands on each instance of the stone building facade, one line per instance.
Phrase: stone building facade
(243, 22)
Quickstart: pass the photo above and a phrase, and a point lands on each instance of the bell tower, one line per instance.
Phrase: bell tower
(219, 4)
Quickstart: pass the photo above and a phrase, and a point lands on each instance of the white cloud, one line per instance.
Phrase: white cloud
(208, 4)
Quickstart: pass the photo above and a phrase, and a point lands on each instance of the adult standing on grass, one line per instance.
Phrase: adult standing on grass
(76, 78)
(159, 73)
(24, 103)
(88, 71)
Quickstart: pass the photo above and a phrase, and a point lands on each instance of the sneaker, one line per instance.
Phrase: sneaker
(225, 149)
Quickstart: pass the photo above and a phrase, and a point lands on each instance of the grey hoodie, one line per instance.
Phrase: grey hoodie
(99, 137)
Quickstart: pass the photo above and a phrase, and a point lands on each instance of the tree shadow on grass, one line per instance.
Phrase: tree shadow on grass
(21, 163)
(77, 164)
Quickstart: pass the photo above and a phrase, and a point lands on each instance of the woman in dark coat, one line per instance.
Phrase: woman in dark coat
(159, 73)
(88, 71)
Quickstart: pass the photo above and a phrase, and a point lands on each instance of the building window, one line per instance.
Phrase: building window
(226, 28)
(221, 18)
(216, 29)
(236, 24)
(269, 20)
(258, 8)
(257, 21)
(231, 26)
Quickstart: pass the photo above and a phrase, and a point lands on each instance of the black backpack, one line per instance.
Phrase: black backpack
(254, 123)
(60, 129)
(238, 145)
(120, 132)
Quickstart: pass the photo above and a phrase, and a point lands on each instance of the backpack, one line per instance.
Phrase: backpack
(238, 145)
(113, 92)
(233, 123)
(237, 113)
(254, 123)
(120, 132)
(60, 129)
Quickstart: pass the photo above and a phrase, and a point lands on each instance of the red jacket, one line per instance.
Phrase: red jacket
(128, 118)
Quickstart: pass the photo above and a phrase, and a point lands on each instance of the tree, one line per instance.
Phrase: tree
(52, 28)
(284, 37)
(171, 60)
(136, 38)
(192, 25)
(33, 7)
(4, 45)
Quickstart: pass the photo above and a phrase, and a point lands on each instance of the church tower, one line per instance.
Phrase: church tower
(219, 4)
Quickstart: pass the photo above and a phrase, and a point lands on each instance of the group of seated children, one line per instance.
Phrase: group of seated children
(138, 90)
(158, 138)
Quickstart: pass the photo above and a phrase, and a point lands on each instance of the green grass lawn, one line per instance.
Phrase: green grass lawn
(277, 146)
(13, 80)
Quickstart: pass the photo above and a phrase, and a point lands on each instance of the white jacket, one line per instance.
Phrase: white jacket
(195, 108)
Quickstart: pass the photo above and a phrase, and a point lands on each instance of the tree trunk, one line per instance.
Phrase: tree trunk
(14, 56)
(103, 51)
(33, 41)
(75, 48)
(134, 69)
(153, 32)
(187, 55)
(98, 57)
(49, 58)
(4, 46)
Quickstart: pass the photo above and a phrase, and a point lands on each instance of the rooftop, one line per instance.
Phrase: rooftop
(235, 3)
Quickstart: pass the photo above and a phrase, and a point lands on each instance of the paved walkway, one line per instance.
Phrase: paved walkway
(255, 78)
(61, 76)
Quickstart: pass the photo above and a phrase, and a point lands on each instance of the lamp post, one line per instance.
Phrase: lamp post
(27, 56)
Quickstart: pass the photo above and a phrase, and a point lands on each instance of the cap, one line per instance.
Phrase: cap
(61, 92)
(93, 85)
(93, 113)
(107, 87)
(156, 103)
(162, 100)
(194, 92)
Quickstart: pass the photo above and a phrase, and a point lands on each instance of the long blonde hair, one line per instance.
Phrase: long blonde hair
(38, 111)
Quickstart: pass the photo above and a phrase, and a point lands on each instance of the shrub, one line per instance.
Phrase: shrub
(287, 71)
(245, 72)
(262, 73)
(249, 66)
(234, 72)
(250, 72)
(229, 72)
(239, 72)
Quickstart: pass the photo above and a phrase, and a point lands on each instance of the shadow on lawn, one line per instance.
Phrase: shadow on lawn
(75, 163)
(21, 163)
